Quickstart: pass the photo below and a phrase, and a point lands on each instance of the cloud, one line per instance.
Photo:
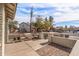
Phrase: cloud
(22, 19)
(35, 5)
(60, 12)
(67, 12)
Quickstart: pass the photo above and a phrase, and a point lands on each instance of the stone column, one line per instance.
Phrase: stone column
(50, 37)
(6, 31)
(5, 28)
(41, 35)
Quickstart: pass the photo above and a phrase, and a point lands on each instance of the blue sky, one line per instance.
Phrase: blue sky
(63, 13)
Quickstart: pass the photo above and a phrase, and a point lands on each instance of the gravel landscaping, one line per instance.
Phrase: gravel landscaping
(53, 50)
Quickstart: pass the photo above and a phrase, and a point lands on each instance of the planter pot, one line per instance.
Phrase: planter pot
(66, 36)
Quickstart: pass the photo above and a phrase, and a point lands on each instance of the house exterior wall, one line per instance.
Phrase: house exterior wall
(0, 23)
(24, 27)
(0, 29)
(9, 14)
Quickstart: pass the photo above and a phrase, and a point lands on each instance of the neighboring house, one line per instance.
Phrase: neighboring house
(24, 27)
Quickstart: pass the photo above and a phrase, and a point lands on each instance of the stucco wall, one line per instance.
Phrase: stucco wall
(63, 41)
(75, 50)
(0, 23)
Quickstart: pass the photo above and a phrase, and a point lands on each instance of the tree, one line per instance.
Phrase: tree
(46, 25)
(12, 24)
(46, 19)
(42, 24)
(38, 23)
(66, 28)
(51, 19)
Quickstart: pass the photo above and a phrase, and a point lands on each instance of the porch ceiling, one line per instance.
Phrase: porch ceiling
(10, 10)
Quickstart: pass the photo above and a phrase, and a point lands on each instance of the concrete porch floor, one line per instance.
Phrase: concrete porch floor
(38, 47)
(24, 48)
(0, 49)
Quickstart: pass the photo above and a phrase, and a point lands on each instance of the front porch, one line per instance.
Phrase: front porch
(39, 47)
(24, 48)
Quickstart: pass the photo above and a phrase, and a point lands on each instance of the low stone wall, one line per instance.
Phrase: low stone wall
(41, 34)
(63, 41)
(56, 39)
(75, 50)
